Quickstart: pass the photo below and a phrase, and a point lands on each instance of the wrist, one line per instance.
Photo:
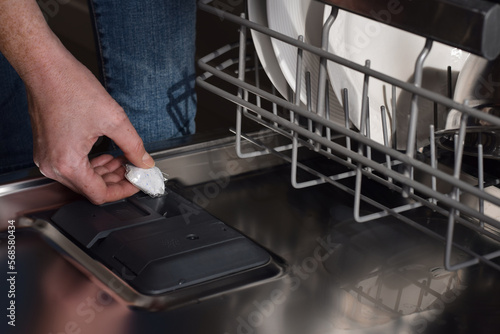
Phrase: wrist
(44, 65)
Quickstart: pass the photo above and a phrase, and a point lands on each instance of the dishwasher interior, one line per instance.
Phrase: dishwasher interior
(371, 226)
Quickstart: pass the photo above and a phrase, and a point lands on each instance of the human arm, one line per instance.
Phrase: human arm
(69, 108)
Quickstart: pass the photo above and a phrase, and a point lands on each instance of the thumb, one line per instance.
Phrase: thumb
(127, 139)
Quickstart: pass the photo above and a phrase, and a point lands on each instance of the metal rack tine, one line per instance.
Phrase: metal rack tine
(309, 103)
(345, 99)
(433, 159)
(322, 81)
(364, 101)
(419, 66)
(364, 112)
(412, 127)
(275, 106)
(436, 114)
(295, 143)
(243, 93)
(394, 134)
(291, 97)
(327, 114)
(449, 85)
(298, 82)
(298, 73)
(368, 132)
(241, 76)
(386, 138)
(455, 194)
(480, 168)
(257, 80)
(365, 130)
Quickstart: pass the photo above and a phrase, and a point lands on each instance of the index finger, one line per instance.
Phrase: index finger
(125, 136)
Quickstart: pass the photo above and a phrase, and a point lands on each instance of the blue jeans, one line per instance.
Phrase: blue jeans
(147, 51)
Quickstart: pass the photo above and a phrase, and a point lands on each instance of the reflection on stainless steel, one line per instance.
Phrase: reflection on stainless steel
(43, 195)
(52, 296)
(376, 277)
(389, 270)
(78, 304)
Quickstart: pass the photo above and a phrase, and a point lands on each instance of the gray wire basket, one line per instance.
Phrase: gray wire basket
(431, 176)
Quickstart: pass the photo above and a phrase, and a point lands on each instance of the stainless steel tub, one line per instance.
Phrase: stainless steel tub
(378, 277)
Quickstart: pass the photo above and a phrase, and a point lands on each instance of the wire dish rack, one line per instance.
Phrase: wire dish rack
(428, 177)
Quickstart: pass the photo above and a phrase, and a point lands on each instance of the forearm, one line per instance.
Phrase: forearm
(69, 108)
(27, 41)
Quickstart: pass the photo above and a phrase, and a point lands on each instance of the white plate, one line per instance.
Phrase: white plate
(294, 18)
(393, 52)
(257, 12)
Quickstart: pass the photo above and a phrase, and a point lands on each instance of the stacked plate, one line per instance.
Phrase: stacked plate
(279, 59)
(257, 12)
(390, 51)
(393, 52)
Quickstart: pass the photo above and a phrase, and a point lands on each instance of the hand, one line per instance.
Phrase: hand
(70, 110)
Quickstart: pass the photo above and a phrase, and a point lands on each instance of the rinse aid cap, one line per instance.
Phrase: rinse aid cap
(151, 181)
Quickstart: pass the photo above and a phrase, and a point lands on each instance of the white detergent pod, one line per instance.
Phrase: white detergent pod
(150, 181)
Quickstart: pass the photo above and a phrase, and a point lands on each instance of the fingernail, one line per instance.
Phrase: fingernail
(148, 160)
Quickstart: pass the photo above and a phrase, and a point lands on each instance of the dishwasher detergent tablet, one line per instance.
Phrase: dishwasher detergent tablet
(150, 181)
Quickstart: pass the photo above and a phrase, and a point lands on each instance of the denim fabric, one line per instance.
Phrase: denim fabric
(147, 59)
(147, 51)
(16, 139)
